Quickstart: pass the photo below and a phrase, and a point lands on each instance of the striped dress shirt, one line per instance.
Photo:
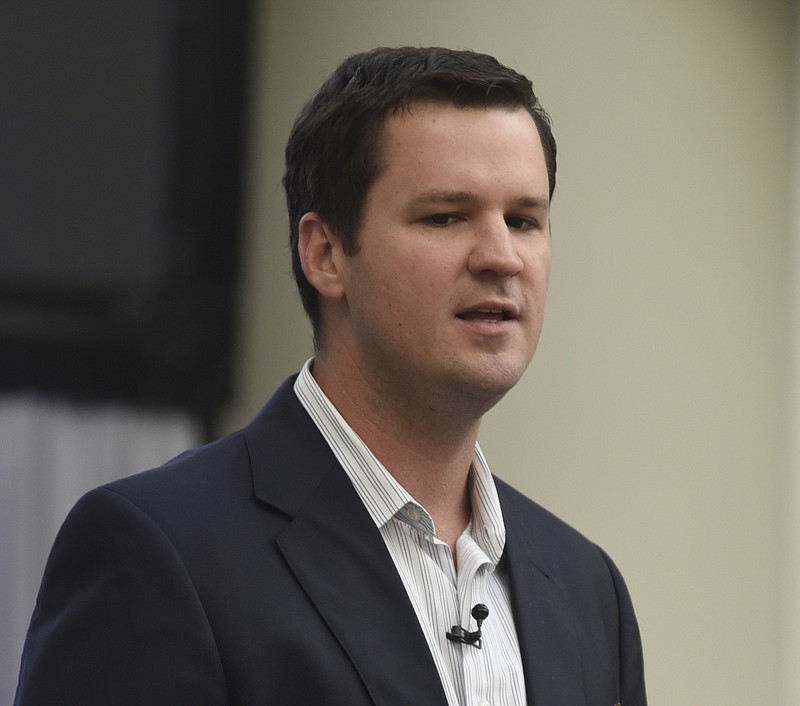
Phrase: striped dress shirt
(441, 595)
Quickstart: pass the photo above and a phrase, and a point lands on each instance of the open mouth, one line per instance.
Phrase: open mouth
(489, 315)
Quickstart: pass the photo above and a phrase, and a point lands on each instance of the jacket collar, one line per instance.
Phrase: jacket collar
(338, 556)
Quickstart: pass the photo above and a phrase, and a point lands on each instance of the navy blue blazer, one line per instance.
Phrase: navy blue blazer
(248, 572)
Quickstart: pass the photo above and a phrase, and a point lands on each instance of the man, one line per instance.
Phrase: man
(335, 550)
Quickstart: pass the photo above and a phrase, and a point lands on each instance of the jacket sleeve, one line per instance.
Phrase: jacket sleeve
(631, 662)
(117, 619)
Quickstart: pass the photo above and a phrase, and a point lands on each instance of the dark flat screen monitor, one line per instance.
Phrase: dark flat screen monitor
(121, 137)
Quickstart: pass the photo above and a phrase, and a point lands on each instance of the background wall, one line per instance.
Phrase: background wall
(790, 510)
(654, 417)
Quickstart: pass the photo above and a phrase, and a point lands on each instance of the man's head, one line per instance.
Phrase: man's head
(334, 151)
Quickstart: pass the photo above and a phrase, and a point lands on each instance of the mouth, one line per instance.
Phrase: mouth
(487, 314)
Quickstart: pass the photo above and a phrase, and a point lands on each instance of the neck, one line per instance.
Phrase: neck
(426, 449)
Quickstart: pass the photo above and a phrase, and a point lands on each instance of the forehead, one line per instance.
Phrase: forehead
(433, 145)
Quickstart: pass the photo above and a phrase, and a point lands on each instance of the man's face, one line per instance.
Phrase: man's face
(446, 292)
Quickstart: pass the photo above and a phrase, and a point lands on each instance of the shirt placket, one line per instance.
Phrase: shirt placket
(474, 567)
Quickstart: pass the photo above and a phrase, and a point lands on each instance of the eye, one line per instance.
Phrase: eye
(520, 223)
(440, 220)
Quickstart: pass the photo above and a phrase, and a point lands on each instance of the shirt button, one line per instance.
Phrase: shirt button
(484, 703)
(414, 515)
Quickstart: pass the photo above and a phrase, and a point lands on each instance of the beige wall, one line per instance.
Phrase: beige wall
(653, 418)
(790, 512)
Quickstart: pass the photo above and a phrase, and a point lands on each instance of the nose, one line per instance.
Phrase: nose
(495, 250)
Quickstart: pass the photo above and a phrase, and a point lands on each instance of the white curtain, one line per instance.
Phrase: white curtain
(51, 452)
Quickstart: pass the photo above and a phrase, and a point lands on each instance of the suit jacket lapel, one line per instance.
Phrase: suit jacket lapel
(338, 556)
(545, 626)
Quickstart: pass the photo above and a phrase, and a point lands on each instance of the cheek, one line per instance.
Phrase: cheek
(412, 273)
(542, 264)
(381, 296)
(545, 279)
(537, 271)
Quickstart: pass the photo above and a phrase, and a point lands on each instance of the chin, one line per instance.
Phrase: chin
(490, 382)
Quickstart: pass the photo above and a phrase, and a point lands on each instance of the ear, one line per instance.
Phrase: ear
(320, 252)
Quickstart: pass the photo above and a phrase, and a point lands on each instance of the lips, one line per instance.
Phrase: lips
(490, 314)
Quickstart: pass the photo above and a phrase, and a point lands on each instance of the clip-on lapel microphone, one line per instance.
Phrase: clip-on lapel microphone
(458, 634)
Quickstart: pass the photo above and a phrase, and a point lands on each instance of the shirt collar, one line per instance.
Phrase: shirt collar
(384, 498)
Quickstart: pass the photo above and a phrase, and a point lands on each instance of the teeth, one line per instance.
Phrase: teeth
(486, 314)
(489, 314)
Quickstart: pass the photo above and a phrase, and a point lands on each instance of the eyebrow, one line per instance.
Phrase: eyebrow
(435, 196)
